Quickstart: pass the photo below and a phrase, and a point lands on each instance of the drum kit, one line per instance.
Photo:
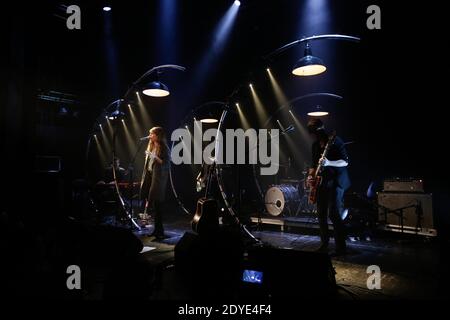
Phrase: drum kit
(289, 198)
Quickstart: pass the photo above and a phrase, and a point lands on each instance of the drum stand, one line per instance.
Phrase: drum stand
(304, 205)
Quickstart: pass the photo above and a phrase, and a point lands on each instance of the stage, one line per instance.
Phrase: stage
(194, 150)
(411, 266)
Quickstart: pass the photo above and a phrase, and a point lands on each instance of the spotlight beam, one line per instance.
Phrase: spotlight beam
(242, 117)
(208, 62)
(279, 94)
(260, 108)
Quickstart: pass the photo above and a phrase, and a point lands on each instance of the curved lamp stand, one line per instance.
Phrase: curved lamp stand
(294, 100)
(95, 126)
(286, 105)
(225, 110)
(141, 79)
(310, 65)
(312, 38)
(187, 119)
(117, 114)
(221, 185)
(164, 66)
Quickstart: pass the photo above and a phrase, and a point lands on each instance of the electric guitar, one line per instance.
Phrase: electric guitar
(316, 180)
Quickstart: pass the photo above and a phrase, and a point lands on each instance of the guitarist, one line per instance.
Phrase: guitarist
(335, 181)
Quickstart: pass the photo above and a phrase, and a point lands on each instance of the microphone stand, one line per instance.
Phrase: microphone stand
(131, 171)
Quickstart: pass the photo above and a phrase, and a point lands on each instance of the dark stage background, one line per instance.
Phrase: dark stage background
(392, 82)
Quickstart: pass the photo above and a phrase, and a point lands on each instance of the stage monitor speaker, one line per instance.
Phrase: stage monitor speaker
(187, 250)
(287, 273)
(210, 267)
(416, 209)
(106, 244)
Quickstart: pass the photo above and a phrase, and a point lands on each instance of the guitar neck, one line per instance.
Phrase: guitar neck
(325, 153)
(210, 172)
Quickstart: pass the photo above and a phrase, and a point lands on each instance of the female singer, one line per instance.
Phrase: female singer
(155, 175)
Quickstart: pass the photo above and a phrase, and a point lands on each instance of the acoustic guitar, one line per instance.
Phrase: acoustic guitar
(206, 218)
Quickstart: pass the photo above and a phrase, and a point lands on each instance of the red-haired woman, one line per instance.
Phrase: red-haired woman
(155, 176)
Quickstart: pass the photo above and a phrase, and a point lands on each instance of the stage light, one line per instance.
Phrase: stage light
(268, 70)
(309, 65)
(153, 88)
(281, 126)
(117, 113)
(318, 111)
(209, 120)
(113, 111)
(63, 111)
(156, 89)
(251, 86)
(106, 9)
(237, 3)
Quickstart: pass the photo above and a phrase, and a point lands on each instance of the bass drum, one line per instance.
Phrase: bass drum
(281, 199)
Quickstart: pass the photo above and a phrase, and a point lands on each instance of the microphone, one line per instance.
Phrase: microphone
(144, 138)
(283, 132)
(289, 129)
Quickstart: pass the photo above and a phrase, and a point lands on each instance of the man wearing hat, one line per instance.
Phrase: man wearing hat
(335, 180)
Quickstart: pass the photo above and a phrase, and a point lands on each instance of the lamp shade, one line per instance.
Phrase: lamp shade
(209, 120)
(156, 89)
(318, 111)
(309, 65)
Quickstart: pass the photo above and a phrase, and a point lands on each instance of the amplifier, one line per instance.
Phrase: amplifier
(406, 185)
(415, 208)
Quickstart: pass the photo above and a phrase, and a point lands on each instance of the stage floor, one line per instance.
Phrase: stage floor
(411, 266)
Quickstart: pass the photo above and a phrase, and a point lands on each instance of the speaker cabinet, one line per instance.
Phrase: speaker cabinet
(406, 212)
(409, 185)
